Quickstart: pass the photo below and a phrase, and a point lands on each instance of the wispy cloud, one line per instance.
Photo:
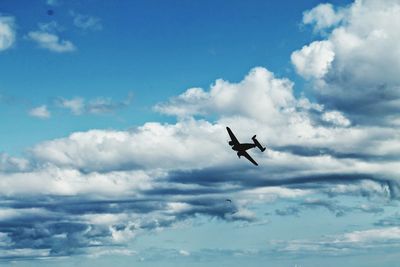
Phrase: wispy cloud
(334, 207)
(40, 112)
(86, 22)
(51, 42)
(76, 105)
(53, 2)
(47, 38)
(106, 105)
(100, 105)
(343, 244)
(7, 32)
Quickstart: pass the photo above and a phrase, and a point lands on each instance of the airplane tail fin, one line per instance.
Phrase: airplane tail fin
(258, 144)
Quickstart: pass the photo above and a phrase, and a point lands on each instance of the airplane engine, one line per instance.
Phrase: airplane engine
(230, 143)
(239, 154)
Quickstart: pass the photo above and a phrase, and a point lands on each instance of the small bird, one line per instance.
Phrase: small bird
(50, 12)
(228, 200)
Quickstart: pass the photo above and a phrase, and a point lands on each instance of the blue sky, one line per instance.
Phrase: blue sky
(113, 148)
(152, 49)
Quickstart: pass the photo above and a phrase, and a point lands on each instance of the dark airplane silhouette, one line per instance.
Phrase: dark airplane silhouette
(242, 147)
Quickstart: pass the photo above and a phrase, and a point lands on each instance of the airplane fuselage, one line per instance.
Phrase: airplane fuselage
(243, 147)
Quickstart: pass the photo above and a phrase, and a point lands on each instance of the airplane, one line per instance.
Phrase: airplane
(242, 147)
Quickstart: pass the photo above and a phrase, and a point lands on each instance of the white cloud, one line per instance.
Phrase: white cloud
(322, 16)
(99, 105)
(103, 105)
(259, 96)
(371, 235)
(358, 61)
(40, 112)
(50, 27)
(51, 180)
(336, 118)
(7, 32)
(10, 213)
(260, 104)
(51, 42)
(193, 101)
(271, 193)
(364, 187)
(47, 38)
(163, 166)
(25, 252)
(184, 252)
(76, 105)
(145, 179)
(344, 244)
(12, 164)
(153, 145)
(100, 252)
(314, 60)
(87, 22)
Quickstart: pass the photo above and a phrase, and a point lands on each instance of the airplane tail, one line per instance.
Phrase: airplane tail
(258, 144)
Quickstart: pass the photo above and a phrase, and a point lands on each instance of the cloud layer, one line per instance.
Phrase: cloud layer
(99, 189)
(104, 187)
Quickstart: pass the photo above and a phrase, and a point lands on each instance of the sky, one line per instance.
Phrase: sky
(114, 149)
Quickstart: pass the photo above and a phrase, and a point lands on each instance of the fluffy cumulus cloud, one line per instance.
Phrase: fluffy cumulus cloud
(314, 60)
(47, 37)
(355, 67)
(7, 32)
(268, 97)
(323, 16)
(153, 145)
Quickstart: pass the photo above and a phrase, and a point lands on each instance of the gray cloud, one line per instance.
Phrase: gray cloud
(332, 206)
(392, 220)
(13, 164)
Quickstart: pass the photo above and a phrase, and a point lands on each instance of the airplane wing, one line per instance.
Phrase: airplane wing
(232, 136)
(247, 156)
